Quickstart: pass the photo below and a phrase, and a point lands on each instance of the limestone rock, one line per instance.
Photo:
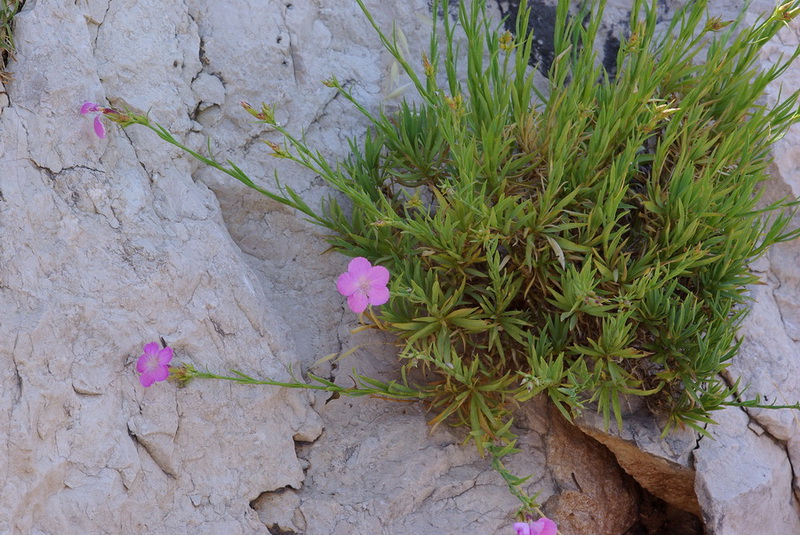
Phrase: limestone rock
(744, 478)
(99, 257)
(662, 466)
(594, 493)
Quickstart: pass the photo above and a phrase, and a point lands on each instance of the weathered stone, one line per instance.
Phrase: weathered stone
(744, 479)
(662, 466)
(99, 257)
(594, 493)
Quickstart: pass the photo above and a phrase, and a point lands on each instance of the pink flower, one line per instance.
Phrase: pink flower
(543, 526)
(154, 364)
(111, 113)
(363, 284)
(91, 107)
(122, 118)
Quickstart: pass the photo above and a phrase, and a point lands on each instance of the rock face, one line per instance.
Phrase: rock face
(100, 255)
(664, 467)
(107, 244)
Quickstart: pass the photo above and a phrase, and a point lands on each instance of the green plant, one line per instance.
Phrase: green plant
(590, 241)
(8, 8)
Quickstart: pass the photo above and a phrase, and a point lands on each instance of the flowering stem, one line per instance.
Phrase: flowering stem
(529, 503)
(376, 322)
(287, 196)
(184, 373)
(754, 404)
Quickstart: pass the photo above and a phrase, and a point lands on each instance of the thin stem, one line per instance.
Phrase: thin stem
(185, 373)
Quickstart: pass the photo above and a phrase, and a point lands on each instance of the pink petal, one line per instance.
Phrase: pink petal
(146, 379)
(359, 266)
(152, 347)
(87, 107)
(99, 129)
(347, 283)
(378, 295)
(544, 526)
(378, 276)
(164, 356)
(145, 362)
(522, 528)
(357, 302)
(158, 373)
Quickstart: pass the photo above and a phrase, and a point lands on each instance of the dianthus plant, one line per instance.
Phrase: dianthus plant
(587, 241)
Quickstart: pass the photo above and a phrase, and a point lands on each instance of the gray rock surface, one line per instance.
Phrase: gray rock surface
(663, 466)
(108, 244)
(100, 256)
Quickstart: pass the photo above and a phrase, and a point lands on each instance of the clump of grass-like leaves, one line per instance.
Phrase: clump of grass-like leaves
(8, 8)
(587, 242)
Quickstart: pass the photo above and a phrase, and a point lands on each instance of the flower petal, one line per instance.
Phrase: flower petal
(378, 295)
(378, 276)
(165, 356)
(160, 373)
(522, 528)
(359, 266)
(544, 526)
(347, 284)
(99, 129)
(146, 379)
(357, 302)
(146, 362)
(87, 107)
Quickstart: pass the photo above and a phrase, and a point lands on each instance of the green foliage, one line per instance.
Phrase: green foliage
(8, 8)
(590, 241)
